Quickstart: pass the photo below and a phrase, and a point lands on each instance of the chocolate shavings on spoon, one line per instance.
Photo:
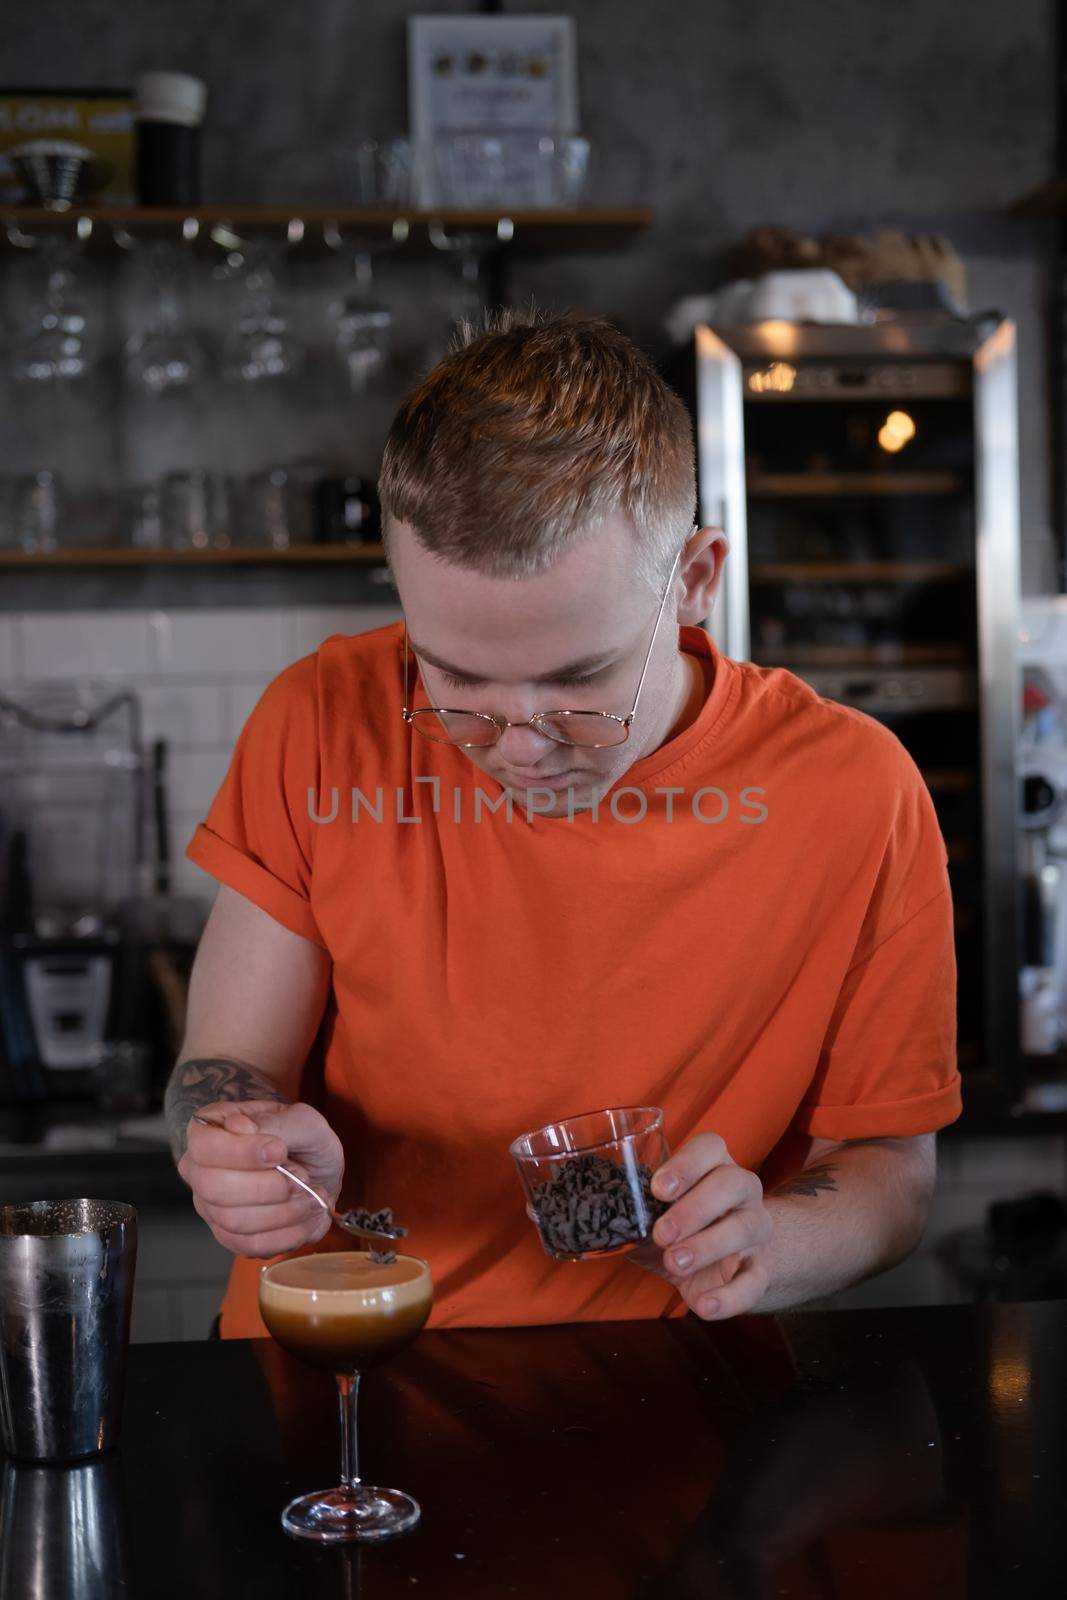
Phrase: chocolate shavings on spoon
(378, 1222)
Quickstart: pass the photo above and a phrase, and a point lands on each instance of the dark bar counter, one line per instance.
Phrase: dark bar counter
(837, 1455)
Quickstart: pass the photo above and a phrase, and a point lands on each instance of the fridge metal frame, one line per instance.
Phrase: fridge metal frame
(990, 347)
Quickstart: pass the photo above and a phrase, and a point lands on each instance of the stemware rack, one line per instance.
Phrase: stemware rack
(316, 230)
(308, 232)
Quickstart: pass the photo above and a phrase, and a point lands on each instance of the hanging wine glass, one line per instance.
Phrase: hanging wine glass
(60, 348)
(468, 298)
(379, 174)
(467, 302)
(262, 344)
(166, 357)
(363, 327)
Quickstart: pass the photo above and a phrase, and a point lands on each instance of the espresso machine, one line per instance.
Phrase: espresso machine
(71, 848)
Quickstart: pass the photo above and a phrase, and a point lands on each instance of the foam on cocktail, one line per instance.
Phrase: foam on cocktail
(341, 1309)
(342, 1272)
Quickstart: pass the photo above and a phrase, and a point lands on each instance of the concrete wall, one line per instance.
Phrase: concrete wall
(836, 113)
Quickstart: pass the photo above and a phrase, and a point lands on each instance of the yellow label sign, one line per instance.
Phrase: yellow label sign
(103, 122)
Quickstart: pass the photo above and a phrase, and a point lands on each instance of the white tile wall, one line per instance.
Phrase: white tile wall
(99, 644)
(193, 780)
(220, 643)
(197, 1306)
(155, 1314)
(185, 713)
(175, 1245)
(311, 626)
(182, 1274)
(186, 877)
(241, 700)
(198, 673)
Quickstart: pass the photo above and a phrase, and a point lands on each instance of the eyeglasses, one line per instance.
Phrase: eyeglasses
(595, 730)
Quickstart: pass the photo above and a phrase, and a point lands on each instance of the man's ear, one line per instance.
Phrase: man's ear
(700, 569)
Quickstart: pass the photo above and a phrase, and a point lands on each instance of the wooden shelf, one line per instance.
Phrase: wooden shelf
(851, 655)
(777, 485)
(857, 571)
(125, 556)
(309, 227)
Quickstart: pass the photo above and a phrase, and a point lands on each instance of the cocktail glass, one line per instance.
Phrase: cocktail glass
(588, 1180)
(343, 1311)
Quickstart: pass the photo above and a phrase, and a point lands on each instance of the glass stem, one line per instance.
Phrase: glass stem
(348, 1396)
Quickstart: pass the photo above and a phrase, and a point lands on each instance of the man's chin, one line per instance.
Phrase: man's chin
(579, 795)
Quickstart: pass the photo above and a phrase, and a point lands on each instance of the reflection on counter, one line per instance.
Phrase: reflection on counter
(63, 1531)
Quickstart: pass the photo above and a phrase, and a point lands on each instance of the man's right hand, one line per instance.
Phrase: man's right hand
(251, 1209)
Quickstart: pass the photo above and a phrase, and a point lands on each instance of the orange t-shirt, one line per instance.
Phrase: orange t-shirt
(756, 936)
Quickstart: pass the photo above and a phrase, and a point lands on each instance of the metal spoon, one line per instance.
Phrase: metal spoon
(342, 1219)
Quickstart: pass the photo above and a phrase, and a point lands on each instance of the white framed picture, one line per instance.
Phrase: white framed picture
(491, 75)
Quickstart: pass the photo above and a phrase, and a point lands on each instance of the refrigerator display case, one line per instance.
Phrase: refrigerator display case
(867, 480)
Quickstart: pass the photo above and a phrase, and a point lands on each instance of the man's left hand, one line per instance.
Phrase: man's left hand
(718, 1220)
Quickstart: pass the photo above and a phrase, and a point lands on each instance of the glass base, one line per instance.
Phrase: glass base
(333, 1516)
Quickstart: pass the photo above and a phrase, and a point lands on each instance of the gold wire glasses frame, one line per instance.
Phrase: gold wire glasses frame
(485, 728)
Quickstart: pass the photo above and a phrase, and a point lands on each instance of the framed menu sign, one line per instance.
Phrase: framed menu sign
(491, 74)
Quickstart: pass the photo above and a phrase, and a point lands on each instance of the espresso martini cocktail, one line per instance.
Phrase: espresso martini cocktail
(347, 1312)
(344, 1311)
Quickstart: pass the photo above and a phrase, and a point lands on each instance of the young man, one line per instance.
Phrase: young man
(564, 854)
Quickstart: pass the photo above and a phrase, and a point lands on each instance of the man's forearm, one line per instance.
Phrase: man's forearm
(854, 1211)
(202, 1080)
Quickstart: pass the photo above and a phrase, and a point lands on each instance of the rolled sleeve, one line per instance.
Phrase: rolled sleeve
(888, 1065)
(258, 836)
(250, 878)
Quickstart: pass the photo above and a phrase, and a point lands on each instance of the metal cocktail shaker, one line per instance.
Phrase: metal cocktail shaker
(66, 1291)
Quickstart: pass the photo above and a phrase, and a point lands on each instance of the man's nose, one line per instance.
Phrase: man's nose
(523, 747)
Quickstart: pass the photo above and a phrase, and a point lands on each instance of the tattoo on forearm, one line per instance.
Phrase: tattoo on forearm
(200, 1082)
(812, 1181)
(815, 1179)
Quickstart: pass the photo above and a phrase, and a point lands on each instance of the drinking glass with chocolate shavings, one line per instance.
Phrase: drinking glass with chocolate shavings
(588, 1181)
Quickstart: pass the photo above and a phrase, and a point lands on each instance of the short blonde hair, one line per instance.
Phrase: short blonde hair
(527, 434)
